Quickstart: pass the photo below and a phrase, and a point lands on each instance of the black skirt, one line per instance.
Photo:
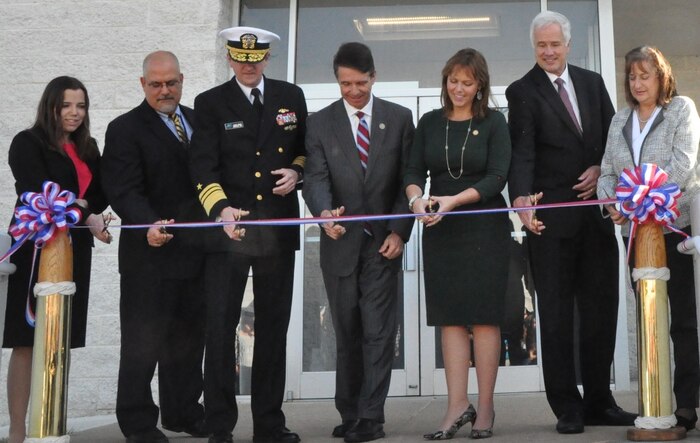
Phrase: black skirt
(466, 267)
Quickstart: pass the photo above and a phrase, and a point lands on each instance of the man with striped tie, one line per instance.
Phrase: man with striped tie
(161, 310)
(356, 155)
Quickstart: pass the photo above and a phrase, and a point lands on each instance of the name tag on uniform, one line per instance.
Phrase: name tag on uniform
(233, 125)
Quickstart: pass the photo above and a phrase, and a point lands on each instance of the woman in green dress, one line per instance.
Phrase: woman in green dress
(465, 149)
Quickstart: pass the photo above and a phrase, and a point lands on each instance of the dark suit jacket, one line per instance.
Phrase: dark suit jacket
(549, 154)
(228, 151)
(32, 163)
(334, 177)
(146, 177)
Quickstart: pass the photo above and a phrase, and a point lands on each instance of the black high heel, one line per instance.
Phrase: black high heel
(477, 434)
(468, 416)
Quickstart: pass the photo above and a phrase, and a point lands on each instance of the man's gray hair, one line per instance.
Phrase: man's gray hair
(546, 18)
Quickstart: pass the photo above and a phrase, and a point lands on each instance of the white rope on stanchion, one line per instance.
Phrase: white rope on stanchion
(651, 274)
(666, 422)
(51, 439)
(44, 289)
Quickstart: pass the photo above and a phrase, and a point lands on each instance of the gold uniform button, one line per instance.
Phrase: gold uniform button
(258, 174)
(257, 153)
(280, 149)
(259, 197)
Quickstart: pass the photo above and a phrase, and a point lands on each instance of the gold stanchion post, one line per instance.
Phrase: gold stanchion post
(653, 349)
(51, 357)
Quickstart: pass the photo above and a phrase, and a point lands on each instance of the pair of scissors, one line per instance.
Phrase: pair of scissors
(533, 203)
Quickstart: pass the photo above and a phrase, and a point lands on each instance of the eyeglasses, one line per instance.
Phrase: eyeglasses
(159, 85)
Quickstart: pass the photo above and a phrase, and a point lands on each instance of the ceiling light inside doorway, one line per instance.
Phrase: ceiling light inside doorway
(427, 27)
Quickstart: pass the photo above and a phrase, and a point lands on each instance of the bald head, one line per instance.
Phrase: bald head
(160, 57)
(162, 81)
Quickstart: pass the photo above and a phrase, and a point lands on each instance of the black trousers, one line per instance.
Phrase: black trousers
(363, 308)
(162, 322)
(579, 272)
(684, 324)
(226, 276)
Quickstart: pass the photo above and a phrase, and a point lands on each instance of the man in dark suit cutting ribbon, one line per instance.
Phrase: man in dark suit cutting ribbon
(161, 311)
(559, 116)
(358, 148)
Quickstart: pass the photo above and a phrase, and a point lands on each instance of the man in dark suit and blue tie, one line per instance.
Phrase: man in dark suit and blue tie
(247, 157)
(559, 116)
(357, 152)
(161, 311)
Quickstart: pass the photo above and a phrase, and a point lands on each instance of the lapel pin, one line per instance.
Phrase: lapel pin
(475, 132)
(382, 126)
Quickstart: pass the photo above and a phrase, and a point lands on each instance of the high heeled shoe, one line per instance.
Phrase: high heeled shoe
(468, 416)
(477, 434)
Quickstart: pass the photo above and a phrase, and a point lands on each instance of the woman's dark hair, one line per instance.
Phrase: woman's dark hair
(472, 60)
(48, 118)
(659, 66)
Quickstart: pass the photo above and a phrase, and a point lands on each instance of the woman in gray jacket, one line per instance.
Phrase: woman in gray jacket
(662, 128)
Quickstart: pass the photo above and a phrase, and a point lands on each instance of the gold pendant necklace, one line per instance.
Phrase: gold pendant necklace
(464, 145)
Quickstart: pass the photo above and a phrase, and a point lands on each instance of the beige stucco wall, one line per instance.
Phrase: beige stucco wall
(103, 43)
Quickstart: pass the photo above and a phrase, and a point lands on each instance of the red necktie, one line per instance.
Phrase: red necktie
(362, 139)
(363, 149)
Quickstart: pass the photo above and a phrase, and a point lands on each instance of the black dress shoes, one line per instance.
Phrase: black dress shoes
(682, 420)
(365, 429)
(613, 416)
(342, 429)
(152, 436)
(224, 437)
(283, 435)
(570, 423)
(197, 429)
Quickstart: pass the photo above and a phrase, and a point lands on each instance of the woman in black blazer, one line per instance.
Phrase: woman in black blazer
(57, 148)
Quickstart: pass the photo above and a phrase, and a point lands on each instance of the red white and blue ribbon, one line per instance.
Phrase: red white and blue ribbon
(40, 217)
(43, 214)
(646, 197)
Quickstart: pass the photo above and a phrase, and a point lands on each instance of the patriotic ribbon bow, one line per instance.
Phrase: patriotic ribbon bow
(42, 215)
(644, 196)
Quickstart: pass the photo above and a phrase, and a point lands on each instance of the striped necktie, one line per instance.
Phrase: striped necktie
(362, 139)
(179, 128)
